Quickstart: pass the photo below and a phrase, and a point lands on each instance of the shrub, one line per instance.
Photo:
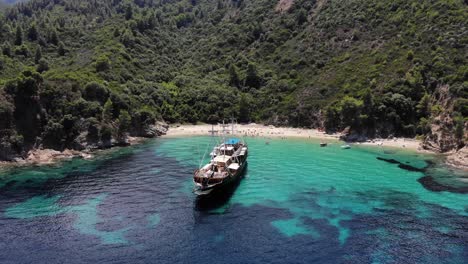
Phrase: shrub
(102, 63)
(96, 92)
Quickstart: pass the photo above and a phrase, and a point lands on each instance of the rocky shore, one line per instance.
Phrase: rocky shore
(51, 156)
(459, 159)
(46, 156)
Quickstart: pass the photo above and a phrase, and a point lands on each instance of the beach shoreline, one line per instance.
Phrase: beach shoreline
(262, 131)
(47, 156)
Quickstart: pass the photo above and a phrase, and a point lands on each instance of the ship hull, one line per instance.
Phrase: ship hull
(225, 185)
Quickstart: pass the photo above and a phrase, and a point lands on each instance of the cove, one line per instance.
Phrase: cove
(297, 203)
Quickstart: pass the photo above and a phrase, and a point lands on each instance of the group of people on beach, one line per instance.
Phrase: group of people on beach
(259, 133)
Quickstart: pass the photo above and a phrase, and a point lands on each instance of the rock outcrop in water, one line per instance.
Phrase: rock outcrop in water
(401, 165)
(427, 181)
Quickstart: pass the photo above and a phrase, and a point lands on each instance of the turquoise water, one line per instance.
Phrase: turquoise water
(281, 173)
(297, 203)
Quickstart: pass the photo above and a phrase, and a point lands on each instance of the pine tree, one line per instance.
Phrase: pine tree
(128, 12)
(18, 36)
(252, 79)
(116, 32)
(38, 54)
(107, 112)
(124, 124)
(102, 63)
(127, 38)
(61, 49)
(6, 49)
(301, 16)
(233, 76)
(42, 66)
(53, 37)
(244, 109)
(33, 34)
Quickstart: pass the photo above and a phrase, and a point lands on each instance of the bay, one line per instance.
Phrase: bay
(297, 203)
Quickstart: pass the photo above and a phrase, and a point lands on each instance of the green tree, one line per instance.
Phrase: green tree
(2, 63)
(96, 92)
(252, 79)
(6, 49)
(368, 112)
(102, 63)
(128, 12)
(53, 37)
(301, 16)
(93, 130)
(108, 112)
(18, 36)
(61, 49)
(124, 124)
(351, 111)
(125, 121)
(332, 118)
(127, 38)
(422, 107)
(22, 50)
(233, 76)
(244, 109)
(42, 66)
(116, 32)
(257, 30)
(38, 54)
(33, 34)
(6, 113)
(106, 135)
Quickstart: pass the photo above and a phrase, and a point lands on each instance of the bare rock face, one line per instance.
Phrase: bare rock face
(158, 129)
(442, 138)
(345, 133)
(49, 156)
(349, 135)
(459, 159)
(284, 5)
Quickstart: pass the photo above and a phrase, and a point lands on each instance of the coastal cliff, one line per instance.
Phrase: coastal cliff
(78, 75)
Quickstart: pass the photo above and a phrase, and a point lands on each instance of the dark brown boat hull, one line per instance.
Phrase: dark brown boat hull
(227, 183)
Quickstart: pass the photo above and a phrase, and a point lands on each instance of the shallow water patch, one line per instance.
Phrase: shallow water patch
(293, 227)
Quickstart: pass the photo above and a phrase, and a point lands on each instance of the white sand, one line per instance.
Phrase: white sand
(256, 130)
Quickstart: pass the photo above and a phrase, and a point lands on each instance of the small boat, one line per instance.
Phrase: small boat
(323, 144)
(346, 147)
(227, 163)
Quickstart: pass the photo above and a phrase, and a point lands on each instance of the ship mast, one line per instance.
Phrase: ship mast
(224, 139)
(232, 126)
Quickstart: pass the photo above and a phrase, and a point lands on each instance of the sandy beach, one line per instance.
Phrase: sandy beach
(48, 156)
(257, 130)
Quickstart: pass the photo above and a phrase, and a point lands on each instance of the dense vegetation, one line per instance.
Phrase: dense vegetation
(89, 71)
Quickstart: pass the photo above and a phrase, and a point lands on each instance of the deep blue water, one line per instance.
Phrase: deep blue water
(298, 203)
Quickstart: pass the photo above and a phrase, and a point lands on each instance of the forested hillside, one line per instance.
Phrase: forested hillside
(80, 73)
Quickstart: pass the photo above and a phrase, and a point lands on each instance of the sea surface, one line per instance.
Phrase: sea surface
(297, 203)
